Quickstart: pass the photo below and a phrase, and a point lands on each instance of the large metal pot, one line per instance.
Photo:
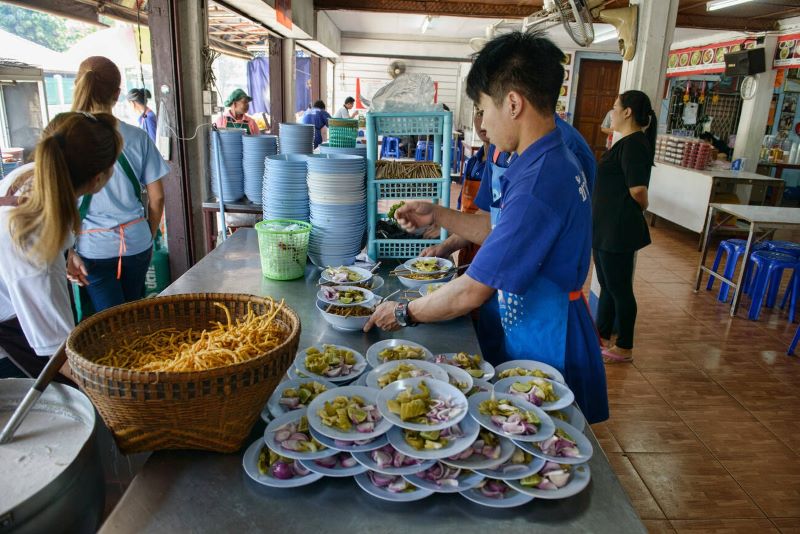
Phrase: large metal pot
(73, 500)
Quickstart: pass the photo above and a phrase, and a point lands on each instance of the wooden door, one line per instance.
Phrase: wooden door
(598, 88)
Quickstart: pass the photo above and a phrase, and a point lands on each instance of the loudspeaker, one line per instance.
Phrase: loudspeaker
(745, 62)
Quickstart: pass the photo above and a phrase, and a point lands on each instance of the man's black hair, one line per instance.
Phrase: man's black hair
(527, 63)
(319, 104)
(349, 100)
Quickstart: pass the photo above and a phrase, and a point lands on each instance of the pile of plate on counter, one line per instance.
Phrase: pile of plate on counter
(255, 149)
(285, 193)
(358, 150)
(338, 208)
(296, 138)
(226, 152)
(411, 424)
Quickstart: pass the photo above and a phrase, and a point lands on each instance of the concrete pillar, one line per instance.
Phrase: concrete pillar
(753, 118)
(289, 80)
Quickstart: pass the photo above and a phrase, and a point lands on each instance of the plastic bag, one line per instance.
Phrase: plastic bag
(406, 93)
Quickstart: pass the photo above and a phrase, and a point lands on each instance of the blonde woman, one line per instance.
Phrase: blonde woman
(115, 242)
(38, 215)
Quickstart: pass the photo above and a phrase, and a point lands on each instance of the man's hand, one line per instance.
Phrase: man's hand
(76, 270)
(435, 251)
(383, 318)
(414, 215)
(432, 232)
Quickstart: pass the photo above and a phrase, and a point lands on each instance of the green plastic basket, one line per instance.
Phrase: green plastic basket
(342, 137)
(283, 252)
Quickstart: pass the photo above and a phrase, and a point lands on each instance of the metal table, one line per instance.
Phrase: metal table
(759, 218)
(191, 491)
(210, 211)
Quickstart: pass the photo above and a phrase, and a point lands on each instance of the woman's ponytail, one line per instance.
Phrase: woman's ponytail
(643, 115)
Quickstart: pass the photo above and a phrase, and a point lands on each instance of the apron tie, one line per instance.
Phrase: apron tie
(122, 247)
(575, 295)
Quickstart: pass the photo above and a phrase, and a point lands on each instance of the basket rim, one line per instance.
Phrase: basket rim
(152, 377)
(306, 227)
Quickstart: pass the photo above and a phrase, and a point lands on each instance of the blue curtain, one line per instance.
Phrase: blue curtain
(258, 84)
(303, 87)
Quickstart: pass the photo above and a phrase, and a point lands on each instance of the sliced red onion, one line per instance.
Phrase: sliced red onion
(329, 293)
(329, 462)
(559, 479)
(281, 470)
(547, 485)
(513, 428)
(550, 466)
(282, 435)
(291, 444)
(289, 402)
(399, 459)
(365, 427)
(398, 485)
(347, 461)
(299, 436)
(381, 458)
(498, 420)
(380, 480)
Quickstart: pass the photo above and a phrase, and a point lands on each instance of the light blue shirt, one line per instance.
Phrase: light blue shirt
(116, 204)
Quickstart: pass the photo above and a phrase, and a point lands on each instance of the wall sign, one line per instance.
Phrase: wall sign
(787, 53)
(708, 59)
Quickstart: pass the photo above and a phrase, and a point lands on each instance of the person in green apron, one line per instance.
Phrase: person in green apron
(235, 115)
(536, 247)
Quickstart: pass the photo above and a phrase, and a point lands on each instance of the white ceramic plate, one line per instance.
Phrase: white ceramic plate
(358, 368)
(277, 423)
(579, 479)
(466, 480)
(293, 374)
(343, 324)
(382, 493)
(584, 446)
(438, 390)
(433, 371)
(479, 461)
(564, 394)
(468, 427)
(363, 273)
(511, 499)
(429, 288)
(350, 446)
(250, 464)
(368, 296)
(412, 283)
(530, 469)
(546, 426)
(365, 459)
(372, 353)
(376, 282)
(478, 386)
(444, 265)
(486, 367)
(368, 394)
(457, 375)
(336, 472)
(574, 417)
(276, 409)
(529, 364)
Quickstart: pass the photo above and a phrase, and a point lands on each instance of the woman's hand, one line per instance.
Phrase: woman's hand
(76, 270)
(414, 215)
(383, 317)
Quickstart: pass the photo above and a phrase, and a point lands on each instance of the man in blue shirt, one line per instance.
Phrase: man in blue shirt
(318, 117)
(536, 244)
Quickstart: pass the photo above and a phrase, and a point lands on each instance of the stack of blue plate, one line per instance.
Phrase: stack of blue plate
(285, 194)
(230, 147)
(255, 149)
(338, 200)
(296, 138)
(359, 150)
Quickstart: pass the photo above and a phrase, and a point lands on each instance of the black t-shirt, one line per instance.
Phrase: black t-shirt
(617, 219)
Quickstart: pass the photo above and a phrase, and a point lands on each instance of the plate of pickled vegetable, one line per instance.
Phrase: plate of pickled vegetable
(345, 275)
(390, 487)
(269, 468)
(392, 371)
(337, 466)
(458, 377)
(554, 481)
(331, 362)
(289, 436)
(348, 413)
(496, 494)
(389, 461)
(527, 368)
(473, 364)
(567, 445)
(487, 451)
(296, 394)
(422, 404)
(361, 445)
(521, 464)
(434, 444)
(511, 417)
(345, 295)
(546, 394)
(428, 265)
(442, 478)
(390, 350)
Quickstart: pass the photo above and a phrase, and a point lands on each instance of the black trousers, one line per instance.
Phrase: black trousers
(21, 354)
(617, 305)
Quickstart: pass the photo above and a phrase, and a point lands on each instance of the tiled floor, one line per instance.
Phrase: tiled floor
(705, 424)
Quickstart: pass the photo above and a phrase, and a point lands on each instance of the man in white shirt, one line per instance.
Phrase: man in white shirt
(344, 111)
(605, 127)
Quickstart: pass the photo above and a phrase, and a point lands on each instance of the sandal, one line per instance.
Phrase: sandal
(611, 357)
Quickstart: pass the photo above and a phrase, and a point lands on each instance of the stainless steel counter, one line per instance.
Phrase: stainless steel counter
(190, 491)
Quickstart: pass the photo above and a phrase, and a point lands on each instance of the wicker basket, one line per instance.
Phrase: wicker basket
(208, 410)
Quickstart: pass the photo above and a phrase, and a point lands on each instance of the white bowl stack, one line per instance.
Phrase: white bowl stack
(296, 138)
(285, 193)
(338, 208)
(230, 148)
(255, 149)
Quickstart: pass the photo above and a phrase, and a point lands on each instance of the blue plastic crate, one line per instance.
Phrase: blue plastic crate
(410, 188)
(402, 249)
(397, 124)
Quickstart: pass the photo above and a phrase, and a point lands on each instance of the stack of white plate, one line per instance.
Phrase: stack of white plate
(255, 149)
(338, 195)
(230, 148)
(358, 150)
(285, 193)
(296, 138)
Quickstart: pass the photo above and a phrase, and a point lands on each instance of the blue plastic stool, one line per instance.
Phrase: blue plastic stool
(458, 149)
(790, 352)
(390, 147)
(424, 151)
(733, 248)
(792, 249)
(768, 267)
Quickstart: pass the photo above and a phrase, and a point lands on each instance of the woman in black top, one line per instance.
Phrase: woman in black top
(619, 226)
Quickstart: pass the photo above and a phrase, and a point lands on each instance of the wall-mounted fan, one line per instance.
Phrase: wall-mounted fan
(396, 68)
(572, 14)
(477, 43)
(625, 20)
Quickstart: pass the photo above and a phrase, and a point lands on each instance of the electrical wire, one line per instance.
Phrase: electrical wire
(196, 131)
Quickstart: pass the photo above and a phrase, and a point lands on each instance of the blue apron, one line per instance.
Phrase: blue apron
(535, 328)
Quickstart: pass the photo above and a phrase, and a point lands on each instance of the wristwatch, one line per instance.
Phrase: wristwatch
(401, 315)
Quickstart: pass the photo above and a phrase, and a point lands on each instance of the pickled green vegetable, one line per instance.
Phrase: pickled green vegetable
(319, 362)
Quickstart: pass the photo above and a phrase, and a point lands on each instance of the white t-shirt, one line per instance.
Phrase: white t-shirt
(343, 113)
(37, 295)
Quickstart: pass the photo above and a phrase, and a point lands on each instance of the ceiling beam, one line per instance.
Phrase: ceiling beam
(725, 23)
(427, 7)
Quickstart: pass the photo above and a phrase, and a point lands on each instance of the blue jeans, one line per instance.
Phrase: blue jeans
(105, 290)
